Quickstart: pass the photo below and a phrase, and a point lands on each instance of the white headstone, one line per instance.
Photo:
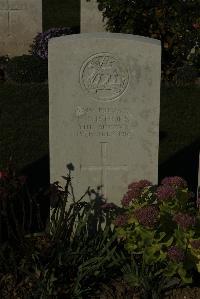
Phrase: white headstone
(20, 21)
(91, 17)
(104, 110)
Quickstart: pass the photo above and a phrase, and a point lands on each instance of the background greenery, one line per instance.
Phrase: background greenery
(61, 13)
(24, 108)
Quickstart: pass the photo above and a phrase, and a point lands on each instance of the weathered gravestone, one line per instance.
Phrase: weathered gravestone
(91, 17)
(104, 110)
(20, 21)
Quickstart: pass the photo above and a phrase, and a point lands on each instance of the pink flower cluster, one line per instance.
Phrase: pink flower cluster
(175, 254)
(134, 191)
(147, 215)
(121, 220)
(195, 244)
(174, 181)
(184, 221)
(165, 192)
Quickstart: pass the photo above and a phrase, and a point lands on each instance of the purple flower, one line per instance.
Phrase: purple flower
(127, 198)
(40, 43)
(140, 184)
(174, 181)
(184, 220)
(134, 191)
(175, 254)
(121, 220)
(195, 244)
(165, 192)
(147, 215)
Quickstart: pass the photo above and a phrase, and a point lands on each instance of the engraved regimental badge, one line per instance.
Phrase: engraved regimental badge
(104, 77)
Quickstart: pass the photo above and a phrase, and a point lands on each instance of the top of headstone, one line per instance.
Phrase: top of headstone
(110, 36)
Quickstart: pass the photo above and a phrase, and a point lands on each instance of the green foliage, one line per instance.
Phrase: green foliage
(17, 208)
(77, 253)
(161, 233)
(185, 74)
(26, 69)
(174, 22)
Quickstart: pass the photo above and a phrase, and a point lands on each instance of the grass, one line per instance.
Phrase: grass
(179, 119)
(24, 109)
(24, 117)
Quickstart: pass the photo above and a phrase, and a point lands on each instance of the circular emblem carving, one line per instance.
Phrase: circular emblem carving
(104, 77)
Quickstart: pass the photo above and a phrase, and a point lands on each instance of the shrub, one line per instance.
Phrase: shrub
(39, 47)
(72, 258)
(160, 229)
(26, 69)
(174, 22)
(194, 59)
(185, 75)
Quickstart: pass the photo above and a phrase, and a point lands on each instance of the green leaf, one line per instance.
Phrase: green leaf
(183, 275)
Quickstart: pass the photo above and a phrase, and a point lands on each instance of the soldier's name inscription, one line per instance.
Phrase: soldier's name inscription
(103, 122)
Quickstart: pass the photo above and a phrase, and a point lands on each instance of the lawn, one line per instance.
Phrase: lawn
(24, 119)
(24, 108)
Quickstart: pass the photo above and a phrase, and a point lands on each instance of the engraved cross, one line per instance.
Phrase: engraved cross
(104, 167)
(9, 10)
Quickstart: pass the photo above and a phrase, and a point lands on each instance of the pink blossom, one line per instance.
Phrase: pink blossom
(147, 215)
(184, 220)
(140, 184)
(174, 181)
(134, 191)
(195, 244)
(165, 192)
(175, 254)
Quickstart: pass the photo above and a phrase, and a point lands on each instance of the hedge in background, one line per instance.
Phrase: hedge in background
(26, 69)
(174, 22)
(39, 48)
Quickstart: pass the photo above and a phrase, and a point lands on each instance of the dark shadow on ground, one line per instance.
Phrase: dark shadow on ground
(185, 163)
(38, 182)
(162, 135)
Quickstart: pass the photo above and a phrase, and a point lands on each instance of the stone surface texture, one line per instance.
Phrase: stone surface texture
(91, 17)
(104, 93)
(20, 21)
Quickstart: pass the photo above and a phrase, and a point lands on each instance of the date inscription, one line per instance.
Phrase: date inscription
(103, 122)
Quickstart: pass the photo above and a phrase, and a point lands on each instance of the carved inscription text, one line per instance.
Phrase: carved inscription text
(103, 122)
